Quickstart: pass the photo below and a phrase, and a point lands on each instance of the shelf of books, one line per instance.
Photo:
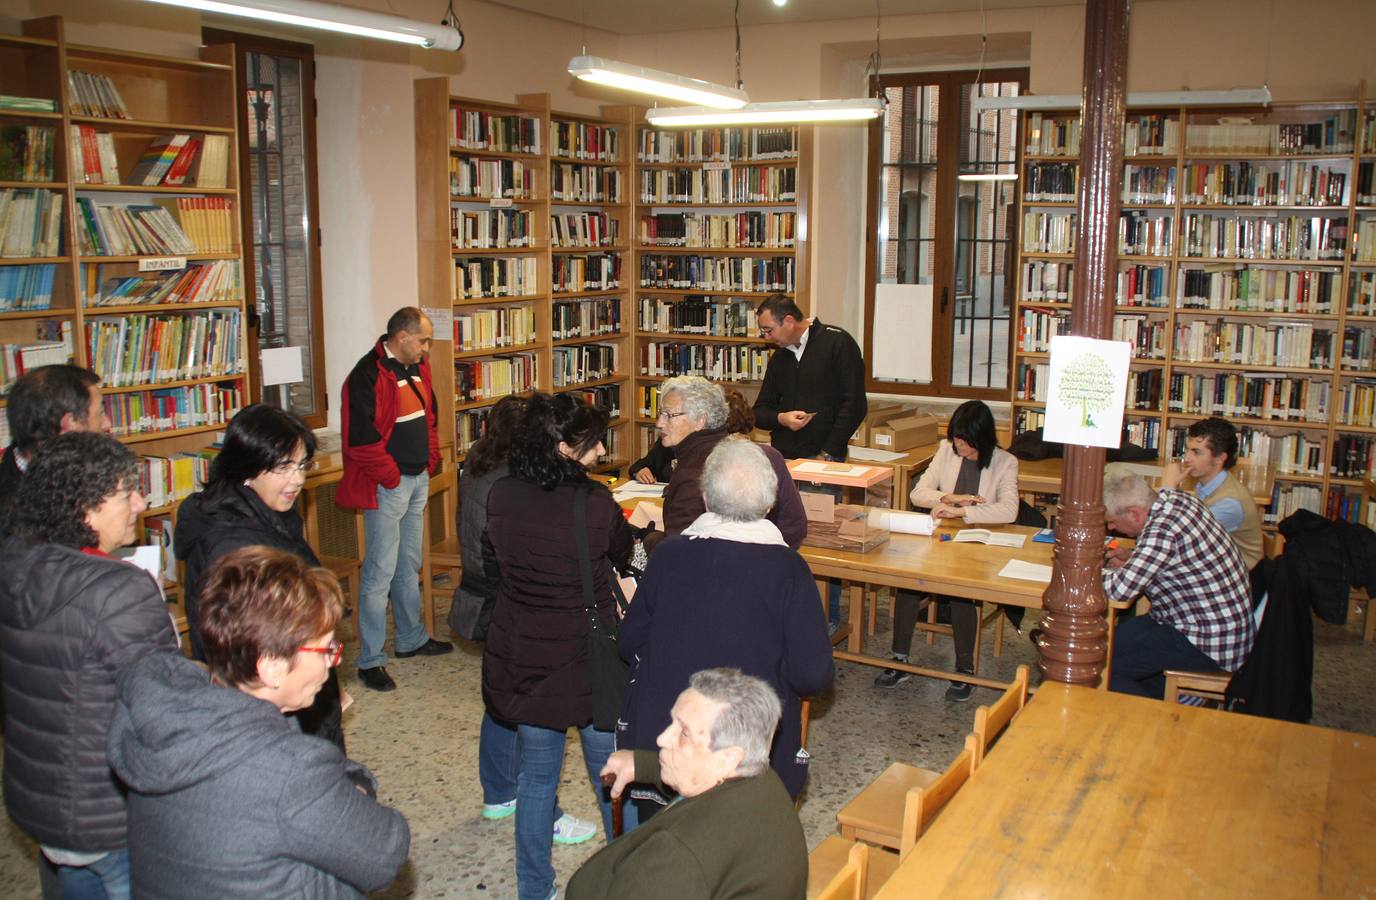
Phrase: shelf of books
(1246, 285)
(721, 224)
(119, 236)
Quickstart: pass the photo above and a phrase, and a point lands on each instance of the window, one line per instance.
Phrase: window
(941, 236)
(276, 81)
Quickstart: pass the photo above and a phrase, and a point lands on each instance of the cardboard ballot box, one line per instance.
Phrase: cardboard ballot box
(905, 433)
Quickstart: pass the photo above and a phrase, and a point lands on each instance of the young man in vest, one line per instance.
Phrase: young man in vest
(1210, 454)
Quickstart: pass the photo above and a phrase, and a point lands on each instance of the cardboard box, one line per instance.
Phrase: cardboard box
(878, 414)
(899, 435)
(842, 527)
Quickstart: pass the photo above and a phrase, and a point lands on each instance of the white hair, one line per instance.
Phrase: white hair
(738, 483)
(1125, 489)
(750, 713)
(701, 398)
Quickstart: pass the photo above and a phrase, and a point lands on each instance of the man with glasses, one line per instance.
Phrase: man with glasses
(391, 447)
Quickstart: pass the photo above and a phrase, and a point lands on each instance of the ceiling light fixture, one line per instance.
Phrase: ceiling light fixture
(987, 176)
(1236, 97)
(858, 110)
(630, 77)
(328, 17)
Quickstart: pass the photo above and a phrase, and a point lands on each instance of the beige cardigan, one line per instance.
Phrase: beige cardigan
(998, 485)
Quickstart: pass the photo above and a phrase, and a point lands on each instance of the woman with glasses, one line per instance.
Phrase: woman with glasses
(226, 797)
(249, 500)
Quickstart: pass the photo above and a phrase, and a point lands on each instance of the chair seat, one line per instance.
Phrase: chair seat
(876, 813)
(824, 862)
(446, 553)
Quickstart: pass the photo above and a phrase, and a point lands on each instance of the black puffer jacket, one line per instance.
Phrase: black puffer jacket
(471, 613)
(535, 662)
(69, 622)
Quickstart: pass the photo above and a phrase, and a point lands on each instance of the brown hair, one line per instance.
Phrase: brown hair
(740, 418)
(259, 602)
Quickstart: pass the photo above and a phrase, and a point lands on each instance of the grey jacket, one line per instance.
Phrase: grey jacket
(228, 799)
(69, 622)
(472, 609)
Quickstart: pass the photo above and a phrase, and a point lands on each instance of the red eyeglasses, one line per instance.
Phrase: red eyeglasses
(335, 651)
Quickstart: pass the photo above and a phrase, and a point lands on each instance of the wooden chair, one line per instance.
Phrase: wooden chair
(990, 721)
(349, 572)
(922, 805)
(847, 881)
(1205, 685)
(988, 612)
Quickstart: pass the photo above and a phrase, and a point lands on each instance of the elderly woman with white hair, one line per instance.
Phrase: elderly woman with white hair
(693, 418)
(732, 831)
(727, 592)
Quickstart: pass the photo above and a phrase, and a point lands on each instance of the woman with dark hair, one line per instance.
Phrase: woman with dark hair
(536, 672)
(971, 479)
(71, 617)
(249, 500)
(226, 797)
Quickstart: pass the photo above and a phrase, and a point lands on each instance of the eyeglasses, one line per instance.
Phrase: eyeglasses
(668, 415)
(766, 332)
(335, 649)
(292, 468)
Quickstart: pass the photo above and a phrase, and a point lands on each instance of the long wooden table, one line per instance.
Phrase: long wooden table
(1091, 794)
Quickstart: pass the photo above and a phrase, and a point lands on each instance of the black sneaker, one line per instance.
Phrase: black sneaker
(890, 678)
(959, 692)
(377, 679)
(431, 647)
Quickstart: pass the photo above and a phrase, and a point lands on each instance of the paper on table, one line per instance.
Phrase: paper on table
(818, 507)
(992, 538)
(812, 467)
(869, 454)
(634, 490)
(1026, 571)
(647, 513)
(282, 365)
(903, 522)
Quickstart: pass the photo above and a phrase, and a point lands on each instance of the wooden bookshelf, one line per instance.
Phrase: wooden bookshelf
(1246, 283)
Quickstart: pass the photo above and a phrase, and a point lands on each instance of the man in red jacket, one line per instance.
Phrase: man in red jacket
(391, 448)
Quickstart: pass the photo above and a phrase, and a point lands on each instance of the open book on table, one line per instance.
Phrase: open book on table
(992, 538)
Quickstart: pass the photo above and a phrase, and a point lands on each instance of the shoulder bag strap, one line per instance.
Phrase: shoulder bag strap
(580, 540)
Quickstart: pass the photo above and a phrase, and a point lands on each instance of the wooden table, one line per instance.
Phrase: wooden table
(1092, 794)
(1043, 476)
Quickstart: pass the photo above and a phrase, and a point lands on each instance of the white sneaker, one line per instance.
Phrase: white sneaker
(573, 830)
(499, 810)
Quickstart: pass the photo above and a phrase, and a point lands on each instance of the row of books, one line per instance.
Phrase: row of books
(176, 226)
(487, 179)
(492, 379)
(1265, 184)
(590, 272)
(170, 409)
(1152, 134)
(1051, 182)
(490, 329)
(606, 397)
(698, 315)
(1148, 184)
(737, 184)
(1048, 232)
(730, 362)
(724, 230)
(1251, 395)
(1147, 336)
(20, 103)
(1354, 456)
(469, 426)
(1350, 507)
(173, 160)
(1290, 345)
(1365, 247)
(51, 345)
(1356, 404)
(476, 130)
(572, 183)
(584, 362)
(30, 222)
(27, 287)
(1144, 234)
(1298, 453)
(1051, 135)
(647, 405)
(147, 349)
(1256, 289)
(581, 140)
(1144, 389)
(488, 228)
(501, 276)
(718, 145)
(26, 152)
(1031, 382)
(1366, 183)
(1049, 282)
(1369, 133)
(1036, 329)
(215, 281)
(1214, 236)
(717, 273)
(1143, 285)
(94, 94)
(585, 318)
(1361, 298)
(165, 480)
(1332, 134)
(1145, 433)
(1359, 349)
(586, 229)
(1288, 498)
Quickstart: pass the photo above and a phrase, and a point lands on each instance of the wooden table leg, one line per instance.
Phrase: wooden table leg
(857, 617)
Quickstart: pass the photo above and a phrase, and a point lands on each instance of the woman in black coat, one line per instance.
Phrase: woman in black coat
(249, 500)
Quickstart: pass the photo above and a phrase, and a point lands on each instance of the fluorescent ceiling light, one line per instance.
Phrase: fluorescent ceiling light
(987, 176)
(1238, 97)
(652, 81)
(328, 17)
(858, 110)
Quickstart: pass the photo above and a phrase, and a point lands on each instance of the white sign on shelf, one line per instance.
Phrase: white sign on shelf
(162, 263)
(442, 318)
(501, 203)
(282, 365)
(1087, 391)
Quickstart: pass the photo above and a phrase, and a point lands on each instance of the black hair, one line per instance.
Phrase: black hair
(39, 400)
(779, 306)
(260, 437)
(1219, 434)
(492, 449)
(973, 423)
(535, 455)
(72, 475)
(405, 319)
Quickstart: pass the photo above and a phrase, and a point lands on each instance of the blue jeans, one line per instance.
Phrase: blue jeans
(394, 533)
(833, 584)
(499, 763)
(107, 877)
(1143, 649)
(542, 759)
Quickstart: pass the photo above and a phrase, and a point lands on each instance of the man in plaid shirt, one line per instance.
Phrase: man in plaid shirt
(1191, 571)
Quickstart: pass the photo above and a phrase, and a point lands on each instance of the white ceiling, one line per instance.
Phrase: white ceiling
(648, 16)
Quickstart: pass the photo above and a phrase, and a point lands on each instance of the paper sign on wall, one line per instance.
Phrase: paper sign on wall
(1087, 391)
(282, 365)
(443, 321)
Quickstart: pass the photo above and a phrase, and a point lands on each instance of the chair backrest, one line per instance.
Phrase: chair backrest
(921, 805)
(991, 720)
(849, 882)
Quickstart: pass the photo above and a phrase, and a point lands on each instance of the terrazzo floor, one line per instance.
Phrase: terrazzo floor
(421, 742)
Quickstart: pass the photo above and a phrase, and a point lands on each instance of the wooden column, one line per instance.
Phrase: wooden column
(1074, 644)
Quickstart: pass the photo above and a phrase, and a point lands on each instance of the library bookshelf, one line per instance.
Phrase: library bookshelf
(1246, 284)
(121, 240)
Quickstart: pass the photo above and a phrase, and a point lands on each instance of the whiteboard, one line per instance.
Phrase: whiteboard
(902, 343)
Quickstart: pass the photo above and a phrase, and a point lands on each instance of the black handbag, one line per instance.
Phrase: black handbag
(606, 671)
